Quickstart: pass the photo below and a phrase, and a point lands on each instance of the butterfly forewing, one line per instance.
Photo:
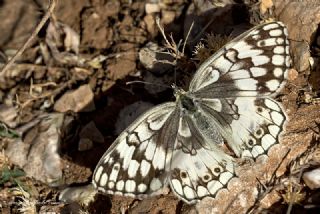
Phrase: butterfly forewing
(137, 163)
(229, 101)
(253, 64)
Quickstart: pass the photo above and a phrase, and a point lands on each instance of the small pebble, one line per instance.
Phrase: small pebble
(312, 178)
(152, 8)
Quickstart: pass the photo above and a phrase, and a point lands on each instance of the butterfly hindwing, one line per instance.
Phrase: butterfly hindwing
(250, 125)
(198, 168)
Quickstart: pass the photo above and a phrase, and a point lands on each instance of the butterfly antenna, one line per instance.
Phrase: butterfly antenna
(175, 62)
(183, 49)
(146, 83)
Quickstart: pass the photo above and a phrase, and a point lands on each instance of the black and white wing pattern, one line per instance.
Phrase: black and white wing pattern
(199, 167)
(254, 64)
(137, 163)
(237, 84)
(180, 144)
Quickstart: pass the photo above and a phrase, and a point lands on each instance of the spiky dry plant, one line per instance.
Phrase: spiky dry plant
(293, 193)
(26, 203)
(201, 53)
(215, 41)
(290, 187)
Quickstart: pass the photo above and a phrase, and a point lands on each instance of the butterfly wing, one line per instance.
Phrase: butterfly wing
(250, 125)
(137, 163)
(198, 167)
(234, 87)
(254, 64)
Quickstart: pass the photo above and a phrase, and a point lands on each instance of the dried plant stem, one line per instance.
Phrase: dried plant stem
(187, 37)
(47, 15)
(50, 94)
(171, 46)
(162, 31)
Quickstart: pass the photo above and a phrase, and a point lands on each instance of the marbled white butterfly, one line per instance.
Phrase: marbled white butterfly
(179, 143)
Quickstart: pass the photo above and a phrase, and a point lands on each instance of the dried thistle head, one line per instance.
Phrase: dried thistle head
(26, 203)
(201, 53)
(293, 193)
(215, 41)
(213, 44)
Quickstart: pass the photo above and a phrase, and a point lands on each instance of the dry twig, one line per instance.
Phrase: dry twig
(51, 7)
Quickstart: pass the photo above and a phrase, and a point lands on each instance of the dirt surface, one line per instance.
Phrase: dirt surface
(61, 102)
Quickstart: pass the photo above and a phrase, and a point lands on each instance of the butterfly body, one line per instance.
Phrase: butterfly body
(187, 103)
(179, 143)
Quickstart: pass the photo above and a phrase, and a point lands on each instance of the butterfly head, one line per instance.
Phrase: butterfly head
(178, 92)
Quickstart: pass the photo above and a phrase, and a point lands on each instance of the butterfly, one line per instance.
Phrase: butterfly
(180, 144)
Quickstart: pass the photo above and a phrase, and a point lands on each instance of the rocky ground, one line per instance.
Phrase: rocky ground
(66, 99)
